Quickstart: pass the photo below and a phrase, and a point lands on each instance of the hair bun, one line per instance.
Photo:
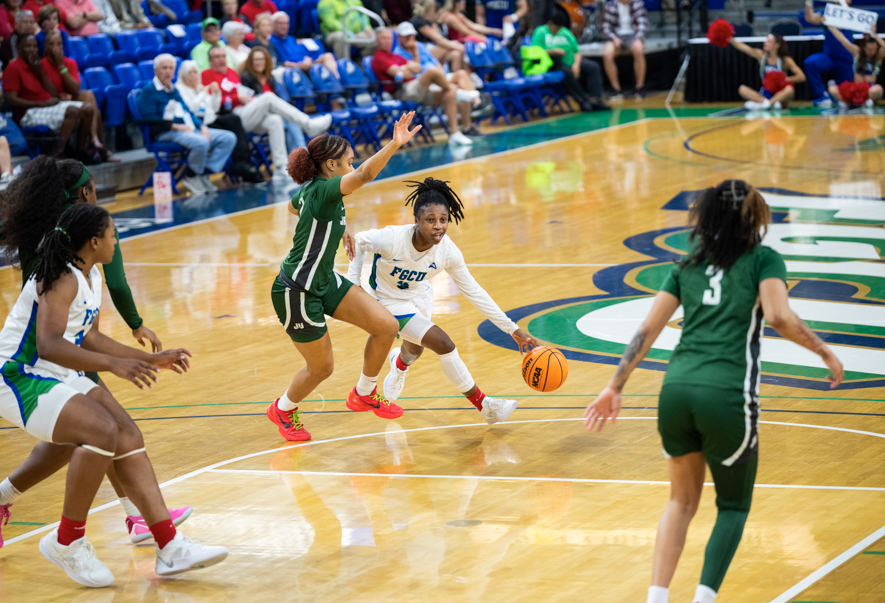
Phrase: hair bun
(301, 167)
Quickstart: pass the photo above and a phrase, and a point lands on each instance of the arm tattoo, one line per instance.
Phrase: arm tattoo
(809, 337)
(631, 354)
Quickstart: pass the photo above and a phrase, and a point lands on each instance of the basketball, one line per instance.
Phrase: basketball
(544, 369)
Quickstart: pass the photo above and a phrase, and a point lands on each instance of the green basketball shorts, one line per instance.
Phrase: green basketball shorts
(302, 313)
(723, 424)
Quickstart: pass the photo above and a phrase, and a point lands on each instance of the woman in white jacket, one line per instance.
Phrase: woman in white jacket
(204, 102)
(405, 259)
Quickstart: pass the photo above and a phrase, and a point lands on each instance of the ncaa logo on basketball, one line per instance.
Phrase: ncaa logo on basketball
(833, 249)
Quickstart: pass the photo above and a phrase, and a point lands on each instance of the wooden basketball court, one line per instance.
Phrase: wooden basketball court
(568, 235)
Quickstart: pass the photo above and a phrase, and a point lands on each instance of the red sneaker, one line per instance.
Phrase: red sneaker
(4, 519)
(375, 402)
(287, 421)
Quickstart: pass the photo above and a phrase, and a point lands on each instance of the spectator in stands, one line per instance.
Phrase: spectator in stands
(128, 13)
(34, 6)
(230, 14)
(256, 75)
(82, 16)
(237, 51)
(25, 25)
(429, 32)
(416, 86)
(583, 78)
(773, 56)
(211, 39)
(110, 25)
(12, 142)
(252, 8)
(331, 13)
(8, 8)
(290, 52)
(412, 50)
(36, 101)
(170, 119)
(834, 61)
(48, 19)
(397, 11)
(65, 76)
(462, 29)
(262, 114)
(158, 8)
(263, 31)
(625, 26)
(205, 103)
(494, 13)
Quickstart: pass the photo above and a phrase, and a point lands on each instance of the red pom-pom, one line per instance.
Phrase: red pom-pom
(854, 93)
(775, 81)
(720, 33)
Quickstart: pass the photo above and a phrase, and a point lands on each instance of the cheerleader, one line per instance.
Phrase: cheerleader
(868, 54)
(773, 57)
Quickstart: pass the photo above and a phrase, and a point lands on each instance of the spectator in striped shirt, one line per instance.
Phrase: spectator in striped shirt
(625, 26)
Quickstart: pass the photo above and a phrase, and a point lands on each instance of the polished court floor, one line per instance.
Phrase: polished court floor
(569, 226)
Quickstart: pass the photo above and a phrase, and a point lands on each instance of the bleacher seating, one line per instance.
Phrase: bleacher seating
(129, 76)
(171, 157)
(152, 43)
(183, 12)
(84, 57)
(113, 103)
(102, 45)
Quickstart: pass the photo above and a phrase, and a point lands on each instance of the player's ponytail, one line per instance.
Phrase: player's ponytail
(304, 163)
(60, 245)
(434, 192)
(730, 220)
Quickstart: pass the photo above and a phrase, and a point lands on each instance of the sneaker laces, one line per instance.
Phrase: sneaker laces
(82, 556)
(5, 514)
(380, 399)
(293, 417)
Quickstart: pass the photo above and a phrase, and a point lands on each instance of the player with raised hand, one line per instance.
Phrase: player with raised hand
(404, 260)
(307, 287)
(50, 338)
(729, 285)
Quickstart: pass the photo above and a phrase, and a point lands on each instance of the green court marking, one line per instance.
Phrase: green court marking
(832, 399)
(25, 523)
(874, 552)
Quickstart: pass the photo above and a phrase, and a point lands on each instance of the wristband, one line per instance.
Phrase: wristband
(63, 70)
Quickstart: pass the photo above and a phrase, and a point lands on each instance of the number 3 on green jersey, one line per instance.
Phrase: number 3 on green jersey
(713, 295)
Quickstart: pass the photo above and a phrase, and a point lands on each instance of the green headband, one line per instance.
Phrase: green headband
(84, 178)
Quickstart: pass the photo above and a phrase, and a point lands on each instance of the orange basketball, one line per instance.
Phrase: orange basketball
(544, 369)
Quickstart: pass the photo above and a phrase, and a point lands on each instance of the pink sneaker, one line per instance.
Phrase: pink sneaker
(4, 519)
(139, 531)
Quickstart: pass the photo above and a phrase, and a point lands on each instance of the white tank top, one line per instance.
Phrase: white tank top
(18, 339)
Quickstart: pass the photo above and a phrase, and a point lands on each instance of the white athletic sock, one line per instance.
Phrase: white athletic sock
(366, 385)
(704, 594)
(658, 594)
(285, 404)
(456, 371)
(130, 509)
(8, 493)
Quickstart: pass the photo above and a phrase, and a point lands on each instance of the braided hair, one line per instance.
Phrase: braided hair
(434, 192)
(60, 246)
(730, 219)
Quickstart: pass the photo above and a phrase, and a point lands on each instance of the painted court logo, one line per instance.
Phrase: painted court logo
(834, 250)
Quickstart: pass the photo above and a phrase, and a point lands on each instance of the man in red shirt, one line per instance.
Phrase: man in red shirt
(36, 100)
(253, 8)
(263, 114)
(416, 86)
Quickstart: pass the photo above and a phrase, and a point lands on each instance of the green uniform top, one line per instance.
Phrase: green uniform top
(114, 276)
(562, 40)
(723, 321)
(321, 224)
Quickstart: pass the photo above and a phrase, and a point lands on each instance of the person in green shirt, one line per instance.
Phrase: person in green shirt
(58, 185)
(211, 38)
(307, 289)
(359, 29)
(728, 286)
(583, 76)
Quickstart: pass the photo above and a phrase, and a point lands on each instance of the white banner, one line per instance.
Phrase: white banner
(852, 19)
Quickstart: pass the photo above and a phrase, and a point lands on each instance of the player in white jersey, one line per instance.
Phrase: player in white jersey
(50, 338)
(404, 260)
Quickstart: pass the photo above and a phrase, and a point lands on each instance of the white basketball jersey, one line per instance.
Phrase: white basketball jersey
(18, 339)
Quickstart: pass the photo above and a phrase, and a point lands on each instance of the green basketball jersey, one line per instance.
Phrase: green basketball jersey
(722, 327)
(320, 227)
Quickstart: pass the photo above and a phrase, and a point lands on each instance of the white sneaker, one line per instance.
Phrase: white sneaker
(194, 184)
(317, 125)
(459, 138)
(476, 81)
(466, 96)
(751, 105)
(395, 381)
(843, 106)
(777, 106)
(183, 554)
(496, 410)
(78, 560)
(868, 103)
(207, 184)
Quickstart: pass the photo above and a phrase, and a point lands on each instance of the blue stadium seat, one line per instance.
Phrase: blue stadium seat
(298, 87)
(128, 42)
(158, 21)
(306, 19)
(151, 44)
(375, 90)
(355, 81)
(146, 69)
(293, 9)
(84, 57)
(129, 76)
(504, 92)
(362, 116)
(103, 45)
(173, 37)
(171, 157)
(183, 12)
(114, 95)
(195, 32)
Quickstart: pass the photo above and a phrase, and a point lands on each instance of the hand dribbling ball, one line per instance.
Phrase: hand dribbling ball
(544, 369)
